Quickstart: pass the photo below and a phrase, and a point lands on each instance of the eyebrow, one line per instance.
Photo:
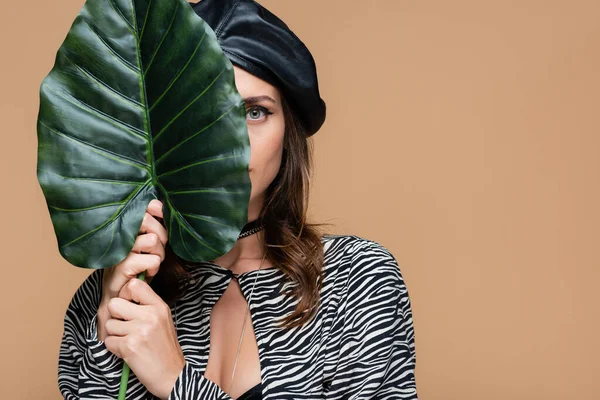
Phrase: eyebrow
(258, 99)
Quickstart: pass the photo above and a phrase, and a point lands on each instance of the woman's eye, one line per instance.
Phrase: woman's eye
(257, 113)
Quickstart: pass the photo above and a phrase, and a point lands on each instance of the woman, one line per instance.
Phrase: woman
(286, 314)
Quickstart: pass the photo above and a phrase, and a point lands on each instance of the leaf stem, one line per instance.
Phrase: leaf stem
(125, 373)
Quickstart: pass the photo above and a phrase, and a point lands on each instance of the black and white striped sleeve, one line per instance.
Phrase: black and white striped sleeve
(191, 385)
(86, 369)
(376, 350)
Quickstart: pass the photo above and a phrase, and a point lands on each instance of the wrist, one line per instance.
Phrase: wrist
(170, 381)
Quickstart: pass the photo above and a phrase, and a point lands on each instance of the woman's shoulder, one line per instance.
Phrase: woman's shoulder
(353, 259)
(353, 246)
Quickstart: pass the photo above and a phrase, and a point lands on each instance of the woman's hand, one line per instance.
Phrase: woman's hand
(144, 336)
(147, 254)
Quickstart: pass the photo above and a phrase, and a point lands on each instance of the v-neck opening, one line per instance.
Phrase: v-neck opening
(218, 388)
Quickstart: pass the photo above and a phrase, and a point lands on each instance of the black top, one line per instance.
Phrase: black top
(254, 393)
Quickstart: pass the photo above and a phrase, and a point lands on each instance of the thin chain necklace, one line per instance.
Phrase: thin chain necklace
(237, 354)
(250, 229)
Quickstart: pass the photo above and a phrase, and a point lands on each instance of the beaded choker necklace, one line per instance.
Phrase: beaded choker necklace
(251, 228)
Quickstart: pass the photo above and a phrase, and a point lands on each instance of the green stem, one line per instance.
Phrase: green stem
(125, 373)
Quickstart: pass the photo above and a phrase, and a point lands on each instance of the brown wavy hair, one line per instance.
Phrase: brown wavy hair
(290, 242)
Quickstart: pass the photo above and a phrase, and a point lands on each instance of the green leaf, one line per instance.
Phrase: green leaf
(142, 104)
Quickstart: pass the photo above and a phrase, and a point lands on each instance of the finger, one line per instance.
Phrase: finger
(114, 345)
(131, 267)
(151, 225)
(117, 327)
(149, 243)
(124, 347)
(155, 208)
(140, 292)
(119, 308)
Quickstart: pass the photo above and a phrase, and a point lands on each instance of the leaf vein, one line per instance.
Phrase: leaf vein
(103, 84)
(186, 107)
(112, 238)
(98, 150)
(145, 20)
(98, 180)
(179, 73)
(112, 219)
(118, 11)
(111, 50)
(194, 216)
(204, 191)
(195, 164)
(86, 208)
(164, 36)
(181, 222)
(97, 113)
(173, 148)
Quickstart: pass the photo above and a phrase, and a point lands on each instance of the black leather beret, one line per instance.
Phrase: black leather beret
(256, 40)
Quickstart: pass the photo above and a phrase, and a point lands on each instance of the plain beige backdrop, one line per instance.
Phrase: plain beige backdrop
(463, 135)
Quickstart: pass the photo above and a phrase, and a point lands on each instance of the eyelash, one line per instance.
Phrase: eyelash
(259, 108)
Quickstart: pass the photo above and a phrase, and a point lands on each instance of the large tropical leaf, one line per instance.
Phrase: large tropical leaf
(141, 104)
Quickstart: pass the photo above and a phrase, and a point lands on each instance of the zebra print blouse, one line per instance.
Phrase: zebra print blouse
(359, 346)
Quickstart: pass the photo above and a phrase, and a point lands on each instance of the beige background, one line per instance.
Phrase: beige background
(463, 135)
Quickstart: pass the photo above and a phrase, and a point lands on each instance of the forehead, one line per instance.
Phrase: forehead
(249, 85)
